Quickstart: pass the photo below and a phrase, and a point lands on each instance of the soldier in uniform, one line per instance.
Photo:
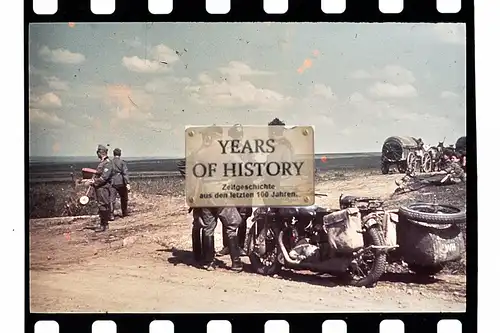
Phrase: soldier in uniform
(236, 133)
(102, 186)
(283, 149)
(206, 217)
(454, 170)
(120, 183)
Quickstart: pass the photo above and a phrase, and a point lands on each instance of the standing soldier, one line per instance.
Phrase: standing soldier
(102, 186)
(283, 150)
(236, 133)
(206, 217)
(120, 183)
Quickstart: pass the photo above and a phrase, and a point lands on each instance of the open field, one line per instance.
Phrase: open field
(146, 257)
(42, 170)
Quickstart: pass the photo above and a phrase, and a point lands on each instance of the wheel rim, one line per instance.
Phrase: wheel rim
(435, 209)
(271, 250)
(427, 162)
(363, 265)
(411, 161)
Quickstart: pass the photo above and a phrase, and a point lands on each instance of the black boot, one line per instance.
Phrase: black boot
(242, 234)
(225, 249)
(234, 251)
(223, 252)
(112, 212)
(124, 205)
(104, 216)
(197, 243)
(208, 252)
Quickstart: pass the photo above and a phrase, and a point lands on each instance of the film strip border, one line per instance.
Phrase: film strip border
(254, 323)
(257, 10)
(241, 10)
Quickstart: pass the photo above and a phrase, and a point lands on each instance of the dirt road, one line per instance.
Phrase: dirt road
(144, 264)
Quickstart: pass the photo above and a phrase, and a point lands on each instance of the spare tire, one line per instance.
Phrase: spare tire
(433, 213)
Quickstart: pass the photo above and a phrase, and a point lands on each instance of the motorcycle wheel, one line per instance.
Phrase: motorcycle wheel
(373, 262)
(258, 263)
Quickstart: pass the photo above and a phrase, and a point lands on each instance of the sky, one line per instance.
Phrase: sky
(137, 85)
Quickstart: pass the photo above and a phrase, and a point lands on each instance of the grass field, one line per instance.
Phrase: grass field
(51, 190)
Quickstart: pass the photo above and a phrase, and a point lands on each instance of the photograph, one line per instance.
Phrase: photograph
(119, 223)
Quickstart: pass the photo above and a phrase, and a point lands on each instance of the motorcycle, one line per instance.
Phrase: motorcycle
(336, 241)
(425, 236)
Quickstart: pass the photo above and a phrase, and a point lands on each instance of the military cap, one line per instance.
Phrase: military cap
(102, 148)
(276, 122)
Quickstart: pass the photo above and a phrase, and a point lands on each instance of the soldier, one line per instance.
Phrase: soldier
(454, 170)
(120, 183)
(236, 133)
(283, 149)
(102, 186)
(206, 217)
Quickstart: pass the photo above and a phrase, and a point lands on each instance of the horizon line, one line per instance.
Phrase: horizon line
(167, 157)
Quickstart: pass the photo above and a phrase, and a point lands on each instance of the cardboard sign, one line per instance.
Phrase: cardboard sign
(251, 166)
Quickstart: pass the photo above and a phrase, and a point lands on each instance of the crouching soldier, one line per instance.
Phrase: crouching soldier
(454, 170)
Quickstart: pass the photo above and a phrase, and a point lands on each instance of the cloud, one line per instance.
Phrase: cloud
(60, 56)
(355, 98)
(388, 90)
(451, 33)
(160, 53)
(449, 95)
(238, 68)
(166, 85)
(39, 117)
(47, 100)
(360, 74)
(321, 90)
(391, 73)
(235, 92)
(56, 83)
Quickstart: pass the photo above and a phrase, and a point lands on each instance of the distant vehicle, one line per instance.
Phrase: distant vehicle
(399, 151)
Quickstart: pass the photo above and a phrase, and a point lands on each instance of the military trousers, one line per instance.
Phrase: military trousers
(229, 217)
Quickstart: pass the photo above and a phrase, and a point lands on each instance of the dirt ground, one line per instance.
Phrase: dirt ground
(144, 264)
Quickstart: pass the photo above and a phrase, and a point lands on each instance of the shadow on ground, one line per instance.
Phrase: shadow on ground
(186, 258)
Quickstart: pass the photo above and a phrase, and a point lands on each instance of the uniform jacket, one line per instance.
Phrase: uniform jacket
(456, 171)
(104, 173)
(120, 172)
